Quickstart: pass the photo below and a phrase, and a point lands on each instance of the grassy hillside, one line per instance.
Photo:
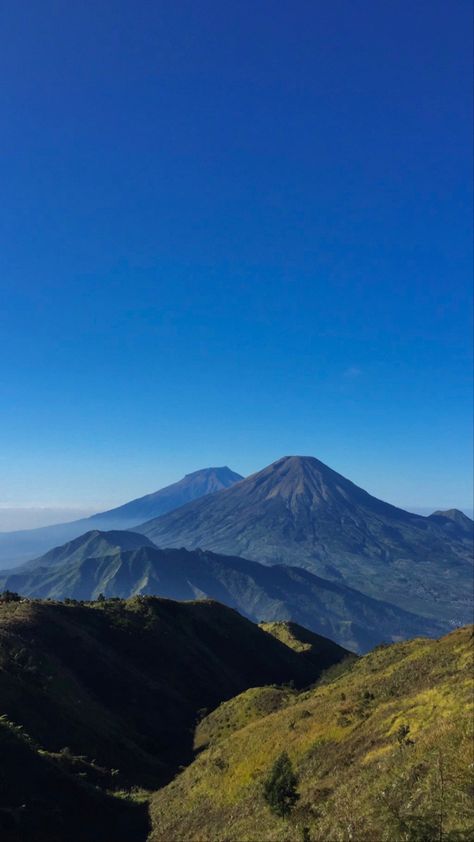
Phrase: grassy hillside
(383, 752)
(53, 797)
(314, 649)
(319, 652)
(102, 698)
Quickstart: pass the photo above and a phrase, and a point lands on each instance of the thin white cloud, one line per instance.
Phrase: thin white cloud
(352, 372)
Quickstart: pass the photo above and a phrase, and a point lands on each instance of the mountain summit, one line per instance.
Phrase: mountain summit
(191, 487)
(16, 547)
(298, 511)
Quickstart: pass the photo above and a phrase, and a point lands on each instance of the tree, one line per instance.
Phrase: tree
(279, 789)
(10, 596)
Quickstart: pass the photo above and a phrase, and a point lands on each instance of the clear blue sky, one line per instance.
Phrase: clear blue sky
(232, 231)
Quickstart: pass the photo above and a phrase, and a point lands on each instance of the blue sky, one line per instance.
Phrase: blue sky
(232, 231)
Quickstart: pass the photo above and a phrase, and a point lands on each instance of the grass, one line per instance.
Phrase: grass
(99, 702)
(359, 779)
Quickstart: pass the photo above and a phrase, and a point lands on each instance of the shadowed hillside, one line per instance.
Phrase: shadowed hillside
(101, 698)
(91, 545)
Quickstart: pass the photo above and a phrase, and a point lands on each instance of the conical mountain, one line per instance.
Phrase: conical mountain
(299, 511)
(191, 487)
(16, 547)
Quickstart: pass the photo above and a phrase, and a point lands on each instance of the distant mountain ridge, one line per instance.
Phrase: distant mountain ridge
(191, 487)
(124, 564)
(17, 547)
(299, 511)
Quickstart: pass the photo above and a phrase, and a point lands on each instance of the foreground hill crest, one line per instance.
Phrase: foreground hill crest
(105, 696)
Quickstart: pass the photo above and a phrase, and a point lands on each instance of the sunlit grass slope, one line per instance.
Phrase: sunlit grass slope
(101, 699)
(383, 752)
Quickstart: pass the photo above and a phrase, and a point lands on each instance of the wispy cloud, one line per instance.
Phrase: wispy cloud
(352, 372)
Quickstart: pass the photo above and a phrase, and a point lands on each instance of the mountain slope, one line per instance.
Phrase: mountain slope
(300, 512)
(454, 522)
(191, 487)
(92, 544)
(17, 547)
(101, 697)
(383, 752)
(44, 796)
(261, 593)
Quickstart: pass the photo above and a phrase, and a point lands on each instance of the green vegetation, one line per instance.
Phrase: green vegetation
(125, 564)
(55, 797)
(279, 789)
(383, 752)
(314, 649)
(99, 701)
(240, 711)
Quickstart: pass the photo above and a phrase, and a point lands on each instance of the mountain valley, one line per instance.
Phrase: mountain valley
(125, 564)
(102, 699)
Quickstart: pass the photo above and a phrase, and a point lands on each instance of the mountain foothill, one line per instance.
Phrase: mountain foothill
(279, 657)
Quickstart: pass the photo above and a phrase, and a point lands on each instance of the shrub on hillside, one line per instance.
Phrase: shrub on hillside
(279, 789)
(10, 596)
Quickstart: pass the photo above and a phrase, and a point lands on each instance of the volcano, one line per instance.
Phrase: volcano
(298, 511)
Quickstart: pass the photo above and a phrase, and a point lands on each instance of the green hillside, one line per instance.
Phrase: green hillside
(102, 699)
(125, 564)
(103, 703)
(383, 752)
